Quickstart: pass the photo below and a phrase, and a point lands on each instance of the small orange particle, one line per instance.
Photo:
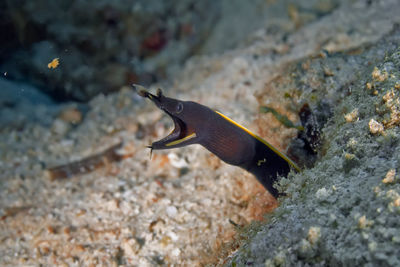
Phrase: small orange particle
(53, 64)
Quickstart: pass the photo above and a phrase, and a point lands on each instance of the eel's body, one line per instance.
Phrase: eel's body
(231, 142)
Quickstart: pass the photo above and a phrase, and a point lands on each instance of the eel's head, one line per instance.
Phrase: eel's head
(184, 131)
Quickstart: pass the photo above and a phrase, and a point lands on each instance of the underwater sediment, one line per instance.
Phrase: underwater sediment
(186, 207)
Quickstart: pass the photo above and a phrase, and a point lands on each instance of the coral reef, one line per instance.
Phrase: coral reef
(346, 209)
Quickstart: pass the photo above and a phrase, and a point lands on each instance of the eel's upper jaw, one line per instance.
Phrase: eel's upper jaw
(157, 99)
(179, 135)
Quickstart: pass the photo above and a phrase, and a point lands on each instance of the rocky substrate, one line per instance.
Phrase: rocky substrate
(186, 207)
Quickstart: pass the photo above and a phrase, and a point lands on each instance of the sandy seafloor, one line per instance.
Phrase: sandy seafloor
(174, 209)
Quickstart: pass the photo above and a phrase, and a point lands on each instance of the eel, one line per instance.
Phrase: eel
(232, 143)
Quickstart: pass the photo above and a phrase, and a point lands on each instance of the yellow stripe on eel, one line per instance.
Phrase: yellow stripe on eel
(176, 142)
(294, 165)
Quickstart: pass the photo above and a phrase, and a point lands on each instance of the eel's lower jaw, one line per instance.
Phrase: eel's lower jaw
(176, 134)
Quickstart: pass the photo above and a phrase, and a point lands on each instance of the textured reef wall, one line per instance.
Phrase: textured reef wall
(345, 211)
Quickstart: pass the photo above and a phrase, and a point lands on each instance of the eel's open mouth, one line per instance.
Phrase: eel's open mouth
(180, 132)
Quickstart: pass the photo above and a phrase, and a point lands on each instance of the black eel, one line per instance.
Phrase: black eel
(229, 141)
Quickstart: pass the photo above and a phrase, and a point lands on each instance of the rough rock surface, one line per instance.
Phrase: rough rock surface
(346, 209)
(175, 208)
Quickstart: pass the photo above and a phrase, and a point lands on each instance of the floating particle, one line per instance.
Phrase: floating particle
(54, 63)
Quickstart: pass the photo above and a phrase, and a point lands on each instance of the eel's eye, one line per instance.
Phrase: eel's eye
(179, 108)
